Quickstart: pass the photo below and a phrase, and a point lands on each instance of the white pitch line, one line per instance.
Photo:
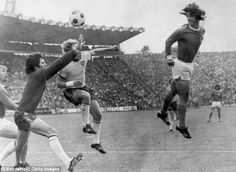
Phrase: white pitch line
(142, 152)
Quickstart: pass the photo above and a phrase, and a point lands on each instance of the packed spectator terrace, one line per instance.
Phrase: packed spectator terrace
(133, 79)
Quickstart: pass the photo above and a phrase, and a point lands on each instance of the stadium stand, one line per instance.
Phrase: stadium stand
(210, 67)
(131, 79)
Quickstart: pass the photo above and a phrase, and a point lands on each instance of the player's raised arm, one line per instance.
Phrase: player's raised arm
(175, 36)
(97, 51)
(60, 63)
(211, 96)
(7, 101)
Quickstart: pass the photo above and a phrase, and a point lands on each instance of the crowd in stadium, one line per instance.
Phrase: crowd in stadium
(30, 47)
(212, 68)
(133, 80)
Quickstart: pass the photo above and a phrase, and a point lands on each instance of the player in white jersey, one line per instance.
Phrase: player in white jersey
(71, 80)
(77, 79)
(8, 129)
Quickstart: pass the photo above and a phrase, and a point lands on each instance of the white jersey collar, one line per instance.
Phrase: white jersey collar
(194, 29)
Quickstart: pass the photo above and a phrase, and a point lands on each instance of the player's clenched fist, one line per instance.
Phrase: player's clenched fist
(170, 60)
(114, 48)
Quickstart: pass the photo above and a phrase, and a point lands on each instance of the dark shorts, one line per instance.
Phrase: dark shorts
(173, 106)
(23, 120)
(68, 93)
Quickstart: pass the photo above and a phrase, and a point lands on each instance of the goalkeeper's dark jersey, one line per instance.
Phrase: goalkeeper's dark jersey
(36, 83)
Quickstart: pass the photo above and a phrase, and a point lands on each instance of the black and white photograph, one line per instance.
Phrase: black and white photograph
(117, 86)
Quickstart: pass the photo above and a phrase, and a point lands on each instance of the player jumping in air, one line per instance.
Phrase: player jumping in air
(8, 129)
(81, 97)
(216, 98)
(72, 81)
(189, 38)
(25, 117)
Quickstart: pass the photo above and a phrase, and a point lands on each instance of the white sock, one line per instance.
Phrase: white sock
(85, 113)
(9, 149)
(175, 118)
(97, 128)
(171, 125)
(24, 153)
(58, 150)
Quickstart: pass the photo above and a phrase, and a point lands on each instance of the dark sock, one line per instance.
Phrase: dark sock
(166, 104)
(181, 113)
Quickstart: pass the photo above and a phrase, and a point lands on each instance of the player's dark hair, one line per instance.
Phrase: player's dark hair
(31, 62)
(194, 10)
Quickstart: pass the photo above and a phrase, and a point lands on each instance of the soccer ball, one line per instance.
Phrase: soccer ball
(77, 18)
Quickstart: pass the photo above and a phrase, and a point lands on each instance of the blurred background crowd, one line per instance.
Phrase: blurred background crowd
(139, 79)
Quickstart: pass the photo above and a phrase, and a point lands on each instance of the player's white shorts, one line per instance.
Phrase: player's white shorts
(216, 104)
(182, 69)
(5, 124)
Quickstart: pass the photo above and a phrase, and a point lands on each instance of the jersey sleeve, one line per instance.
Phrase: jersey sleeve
(212, 94)
(58, 64)
(221, 96)
(175, 36)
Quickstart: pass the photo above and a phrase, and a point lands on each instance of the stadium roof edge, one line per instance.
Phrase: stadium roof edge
(16, 28)
(66, 24)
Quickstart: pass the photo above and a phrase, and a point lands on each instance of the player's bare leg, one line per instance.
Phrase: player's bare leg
(176, 118)
(219, 113)
(9, 130)
(9, 149)
(85, 108)
(171, 121)
(21, 142)
(97, 116)
(172, 117)
(23, 155)
(40, 127)
(211, 113)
